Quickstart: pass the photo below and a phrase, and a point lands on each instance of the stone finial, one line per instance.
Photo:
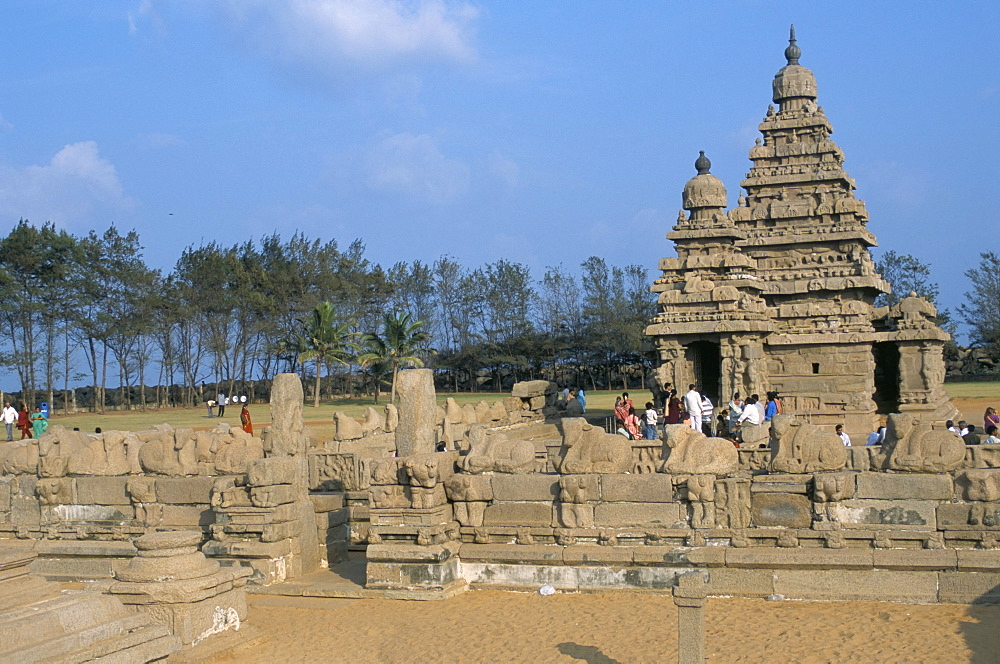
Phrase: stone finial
(702, 163)
(792, 51)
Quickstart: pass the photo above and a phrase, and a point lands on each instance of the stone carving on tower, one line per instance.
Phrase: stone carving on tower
(778, 293)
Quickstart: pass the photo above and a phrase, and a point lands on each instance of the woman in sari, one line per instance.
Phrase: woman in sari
(38, 422)
(673, 408)
(24, 422)
(245, 420)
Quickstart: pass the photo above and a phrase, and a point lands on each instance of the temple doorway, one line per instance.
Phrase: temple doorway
(886, 395)
(706, 361)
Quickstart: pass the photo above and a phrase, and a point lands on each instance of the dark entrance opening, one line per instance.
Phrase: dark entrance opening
(707, 363)
(886, 395)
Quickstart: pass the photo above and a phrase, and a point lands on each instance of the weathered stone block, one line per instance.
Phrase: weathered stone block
(591, 554)
(193, 621)
(273, 495)
(790, 510)
(327, 502)
(638, 514)
(864, 585)
(898, 486)
(464, 487)
(513, 553)
(185, 490)
(576, 515)
(4, 497)
(24, 511)
(94, 512)
(743, 582)
(183, 515)
(102, 491)
(904, 514)
(971, 560)
(969, 587)
(651, 488)
(525, 487)
(916, 559)
(533, 388)
(417, 412)
(795, 558)
(274, 470)
(952, 515)
(518, 514)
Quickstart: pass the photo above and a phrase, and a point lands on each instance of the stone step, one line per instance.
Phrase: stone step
(24, 589)
(55, 618)
(61, 647)
(143, 643)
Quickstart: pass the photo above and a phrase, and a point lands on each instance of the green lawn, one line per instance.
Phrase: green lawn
(598, 404)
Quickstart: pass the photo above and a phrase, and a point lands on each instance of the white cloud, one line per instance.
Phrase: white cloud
(414, 166)
(346, 34)
(76, 183)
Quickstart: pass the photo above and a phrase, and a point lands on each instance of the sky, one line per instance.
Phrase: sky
(538, 132)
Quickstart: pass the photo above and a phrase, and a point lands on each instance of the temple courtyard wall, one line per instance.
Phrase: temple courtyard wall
(527, 493)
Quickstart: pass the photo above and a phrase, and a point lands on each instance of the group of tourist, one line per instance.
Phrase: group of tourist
(31, 425)
(576, 394)
(633, 426)
(969, 434)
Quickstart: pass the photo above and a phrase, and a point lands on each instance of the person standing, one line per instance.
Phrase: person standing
(692, 404)
(24, 422)
(735, 410)
(991, 419)
(9, 416)
(38, 423)
(673, 408)
(245, 420)
(650, 431)
(707, 410)
(582, 398)
(844, 438)
(773, 406)
(221, 401)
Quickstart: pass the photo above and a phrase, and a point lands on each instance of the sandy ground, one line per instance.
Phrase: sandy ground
(497, 626)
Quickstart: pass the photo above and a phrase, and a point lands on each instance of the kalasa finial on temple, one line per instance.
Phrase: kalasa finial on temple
(792, 51)
(778, 293)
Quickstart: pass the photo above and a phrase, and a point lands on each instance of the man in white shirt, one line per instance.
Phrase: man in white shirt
(843, 436)
(692, 404)
(220, 403)
(9, 417)
(751, 414)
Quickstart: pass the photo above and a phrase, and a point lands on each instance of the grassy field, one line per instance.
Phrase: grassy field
(971, 398)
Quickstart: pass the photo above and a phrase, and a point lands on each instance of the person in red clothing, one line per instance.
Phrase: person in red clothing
(673, 408)
(24, 422)
(245, 420)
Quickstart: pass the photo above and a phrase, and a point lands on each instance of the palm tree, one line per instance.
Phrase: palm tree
(400, 345)
(325, 340)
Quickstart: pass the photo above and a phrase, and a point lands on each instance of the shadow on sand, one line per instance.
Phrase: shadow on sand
(983, 635)
(589, 654)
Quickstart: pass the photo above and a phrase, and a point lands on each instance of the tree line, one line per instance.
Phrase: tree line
(89, 310)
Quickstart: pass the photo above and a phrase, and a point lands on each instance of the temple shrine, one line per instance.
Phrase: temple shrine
(778, 293)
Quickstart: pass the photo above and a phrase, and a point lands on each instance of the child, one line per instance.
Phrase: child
(650, 429)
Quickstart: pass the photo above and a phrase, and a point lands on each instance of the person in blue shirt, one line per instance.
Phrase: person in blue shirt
(582, 398)
(773, 406)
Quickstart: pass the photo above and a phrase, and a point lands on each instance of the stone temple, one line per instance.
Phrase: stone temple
(778, 292)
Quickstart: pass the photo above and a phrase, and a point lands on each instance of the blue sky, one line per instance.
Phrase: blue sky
(542, 132)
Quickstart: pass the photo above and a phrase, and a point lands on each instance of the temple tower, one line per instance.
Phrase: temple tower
(783, 286)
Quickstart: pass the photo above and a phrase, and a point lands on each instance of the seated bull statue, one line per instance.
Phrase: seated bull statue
(799, 447)
(493, 451)
(692, 452)
(914, 446)
(587, 449)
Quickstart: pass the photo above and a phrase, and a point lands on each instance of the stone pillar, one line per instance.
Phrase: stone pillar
(689, 596)
(417, 412)
(175, 583)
